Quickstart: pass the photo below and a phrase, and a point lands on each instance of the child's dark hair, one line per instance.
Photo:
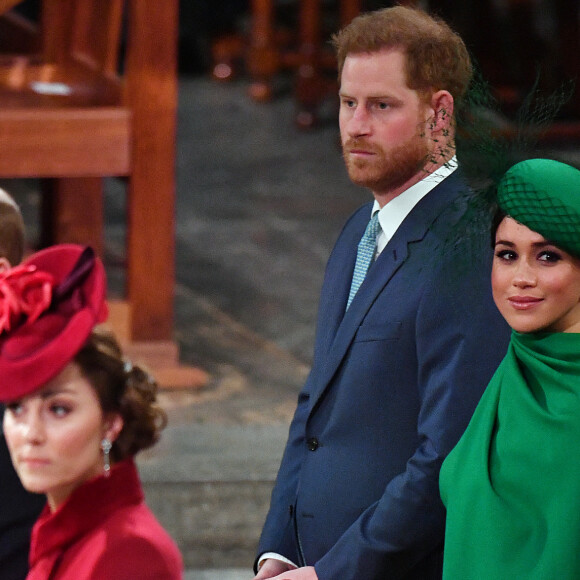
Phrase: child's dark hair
(11, 230)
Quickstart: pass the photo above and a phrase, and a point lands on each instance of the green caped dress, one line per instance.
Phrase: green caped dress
(511, 485)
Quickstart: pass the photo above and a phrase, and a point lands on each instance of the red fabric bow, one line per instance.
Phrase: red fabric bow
(24, 292)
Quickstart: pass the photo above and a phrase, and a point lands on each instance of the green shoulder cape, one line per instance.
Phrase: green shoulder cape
(512, 484)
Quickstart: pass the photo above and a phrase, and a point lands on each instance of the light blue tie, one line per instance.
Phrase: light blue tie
(365, 254)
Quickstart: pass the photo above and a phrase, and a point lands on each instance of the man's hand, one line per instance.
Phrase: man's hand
(306, 573)
(271, 568)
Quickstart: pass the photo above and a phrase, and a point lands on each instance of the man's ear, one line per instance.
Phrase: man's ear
(4, 264)
(442, 106)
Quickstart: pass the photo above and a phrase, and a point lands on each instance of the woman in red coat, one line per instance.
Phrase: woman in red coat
(76, 414)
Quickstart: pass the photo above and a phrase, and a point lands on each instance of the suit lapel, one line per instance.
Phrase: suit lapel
(337, 281)
(341, 327)
(390, 260)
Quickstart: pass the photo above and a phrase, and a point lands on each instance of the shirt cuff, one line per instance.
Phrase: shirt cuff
(274, 556)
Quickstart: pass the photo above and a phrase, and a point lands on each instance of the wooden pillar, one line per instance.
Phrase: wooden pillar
(151, 88)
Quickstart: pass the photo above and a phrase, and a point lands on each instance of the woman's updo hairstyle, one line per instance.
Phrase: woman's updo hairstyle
(122, 388)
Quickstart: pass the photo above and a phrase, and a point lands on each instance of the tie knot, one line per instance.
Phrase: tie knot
(372, 230)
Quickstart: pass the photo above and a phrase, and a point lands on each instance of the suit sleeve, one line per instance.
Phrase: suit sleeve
(278, 534)
(460, 340)
(278, 531)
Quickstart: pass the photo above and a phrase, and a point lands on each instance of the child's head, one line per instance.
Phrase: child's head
(11, 232)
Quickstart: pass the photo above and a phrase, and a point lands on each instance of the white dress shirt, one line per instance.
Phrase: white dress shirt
(392, 214)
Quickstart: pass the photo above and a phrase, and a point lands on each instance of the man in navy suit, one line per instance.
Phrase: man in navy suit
(398, 371)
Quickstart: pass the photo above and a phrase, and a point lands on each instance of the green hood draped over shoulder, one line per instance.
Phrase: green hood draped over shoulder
(512, 484)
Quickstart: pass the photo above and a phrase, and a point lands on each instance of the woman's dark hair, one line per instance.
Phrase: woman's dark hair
(498, 216)
(125, 389)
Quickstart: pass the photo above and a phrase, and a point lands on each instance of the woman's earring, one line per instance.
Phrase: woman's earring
(106, 447)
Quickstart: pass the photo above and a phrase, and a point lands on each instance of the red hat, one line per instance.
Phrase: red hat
(48, 307)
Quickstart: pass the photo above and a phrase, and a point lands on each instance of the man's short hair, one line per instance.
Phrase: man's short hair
(436, 56)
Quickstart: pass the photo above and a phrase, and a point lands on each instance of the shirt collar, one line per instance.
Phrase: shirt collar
(392, 214)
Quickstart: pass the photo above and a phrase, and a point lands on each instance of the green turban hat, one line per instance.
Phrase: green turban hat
(544, 195)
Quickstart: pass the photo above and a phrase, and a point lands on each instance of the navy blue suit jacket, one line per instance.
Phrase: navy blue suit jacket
(393, 385)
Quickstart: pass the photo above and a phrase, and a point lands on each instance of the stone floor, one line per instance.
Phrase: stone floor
(259, 205)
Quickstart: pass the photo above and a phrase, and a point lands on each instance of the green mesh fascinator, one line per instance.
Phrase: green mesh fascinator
(501, 161)
(544, 195)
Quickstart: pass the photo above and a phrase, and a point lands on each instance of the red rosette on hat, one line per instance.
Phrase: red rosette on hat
(48, 307)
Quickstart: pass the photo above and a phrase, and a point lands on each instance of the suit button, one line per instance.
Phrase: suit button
(312, 444)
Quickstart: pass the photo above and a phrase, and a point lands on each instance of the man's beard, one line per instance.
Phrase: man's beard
(386, 172)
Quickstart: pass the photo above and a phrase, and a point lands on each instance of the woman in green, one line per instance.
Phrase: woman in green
(512, 484)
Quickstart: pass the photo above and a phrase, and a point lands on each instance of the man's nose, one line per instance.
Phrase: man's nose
(359, 122)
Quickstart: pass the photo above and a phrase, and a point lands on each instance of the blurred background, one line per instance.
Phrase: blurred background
(260, 196)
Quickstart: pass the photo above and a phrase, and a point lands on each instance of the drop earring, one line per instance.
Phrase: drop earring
(106, 447)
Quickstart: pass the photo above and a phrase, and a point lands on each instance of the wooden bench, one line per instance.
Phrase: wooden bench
(87, 91)
(268, 49)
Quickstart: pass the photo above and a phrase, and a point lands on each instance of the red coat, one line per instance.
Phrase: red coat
(104, 530)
